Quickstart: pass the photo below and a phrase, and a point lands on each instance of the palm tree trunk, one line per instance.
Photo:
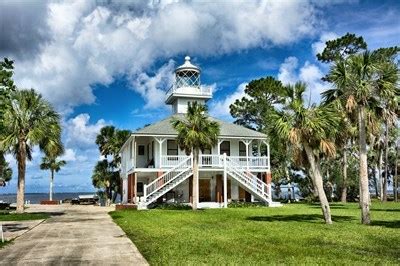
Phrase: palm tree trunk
(21, 158)
(195, 179)
(385, 180)
(318, 183)
(51, 185)
(343, 197)
(364, 190)
(380, 173)
(396, 181)
(1, 165)
(375, 181)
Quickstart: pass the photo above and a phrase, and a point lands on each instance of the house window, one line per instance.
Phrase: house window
(141, 150)
(172, 147)
(242, 149)
(225, 147)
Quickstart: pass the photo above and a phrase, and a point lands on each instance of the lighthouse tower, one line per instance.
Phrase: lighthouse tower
(186, 88)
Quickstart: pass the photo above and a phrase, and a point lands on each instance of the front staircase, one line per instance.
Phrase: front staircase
(249, 181)
(166, 182)
(184, 170)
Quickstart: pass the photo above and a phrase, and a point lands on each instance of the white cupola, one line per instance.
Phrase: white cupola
(187, 88)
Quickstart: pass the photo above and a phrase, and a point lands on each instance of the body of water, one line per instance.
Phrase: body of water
(35, 198)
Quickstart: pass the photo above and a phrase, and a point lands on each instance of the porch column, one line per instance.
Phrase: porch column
(160, 142)
(268, 178)
(259, 148)
(219, 151)
(268, 156)
(247, 143)
(134, 152)
(218, 146)
(225, 184)
(135, 187)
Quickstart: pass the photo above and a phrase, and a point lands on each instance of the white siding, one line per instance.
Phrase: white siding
(181, 104)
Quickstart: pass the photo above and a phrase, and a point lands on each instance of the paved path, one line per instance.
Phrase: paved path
(74, 235)
(13, 229)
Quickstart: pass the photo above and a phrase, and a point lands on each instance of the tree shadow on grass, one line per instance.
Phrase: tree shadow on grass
(334, 207)
(388, 224)
(385, 210)
(298, 218)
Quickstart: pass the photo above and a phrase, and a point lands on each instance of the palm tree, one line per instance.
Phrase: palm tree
(29, 120)
(54, 165)
(5, 171)
(110, 141)
(310, 131)
(196, 132)
(105, 140)
(361, 84)
(104, 178)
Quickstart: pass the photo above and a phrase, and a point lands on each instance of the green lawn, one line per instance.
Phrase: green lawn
(292, 234)
(6, 216)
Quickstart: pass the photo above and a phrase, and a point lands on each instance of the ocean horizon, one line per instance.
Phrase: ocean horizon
(35, 198)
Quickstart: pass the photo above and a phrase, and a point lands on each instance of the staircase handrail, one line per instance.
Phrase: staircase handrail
(248, 177)
(178, 168)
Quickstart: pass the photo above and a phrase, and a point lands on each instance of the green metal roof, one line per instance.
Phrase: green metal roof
(227, 130)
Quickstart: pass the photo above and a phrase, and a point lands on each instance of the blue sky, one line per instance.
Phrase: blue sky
(109, 62)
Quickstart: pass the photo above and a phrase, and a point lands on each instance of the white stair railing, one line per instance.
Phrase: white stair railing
(249, 180)
(168, 180)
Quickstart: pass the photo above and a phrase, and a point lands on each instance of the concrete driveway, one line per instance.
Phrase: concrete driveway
(74, 235)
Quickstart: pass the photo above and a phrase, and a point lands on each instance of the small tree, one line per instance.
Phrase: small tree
(196, 132)
(54, 165)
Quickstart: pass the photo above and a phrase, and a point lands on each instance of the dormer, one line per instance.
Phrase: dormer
(187, 88)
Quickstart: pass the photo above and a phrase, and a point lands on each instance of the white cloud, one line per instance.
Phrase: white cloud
(287, 70)
(319, 46)
(220, 108)
(69, 155)
(311, 74)
(80, 133)
(150, 86)
(91, 44)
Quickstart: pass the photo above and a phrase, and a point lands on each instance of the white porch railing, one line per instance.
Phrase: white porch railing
(243, 161)
(251, 162)
(213, 160)
(172, 160)
(203, 91)
(206, 160)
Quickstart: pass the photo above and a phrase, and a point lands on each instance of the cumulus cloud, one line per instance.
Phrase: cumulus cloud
(287, 70)
(69, 155)
(311, 74)
(87, 43)
(80, 133)
(150, 87)
(220, 108)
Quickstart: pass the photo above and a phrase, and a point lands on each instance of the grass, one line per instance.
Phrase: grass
(6, 216)
(292, 234)
(3, 244)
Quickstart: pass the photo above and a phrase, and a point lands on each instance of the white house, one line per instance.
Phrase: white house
(154, 170)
